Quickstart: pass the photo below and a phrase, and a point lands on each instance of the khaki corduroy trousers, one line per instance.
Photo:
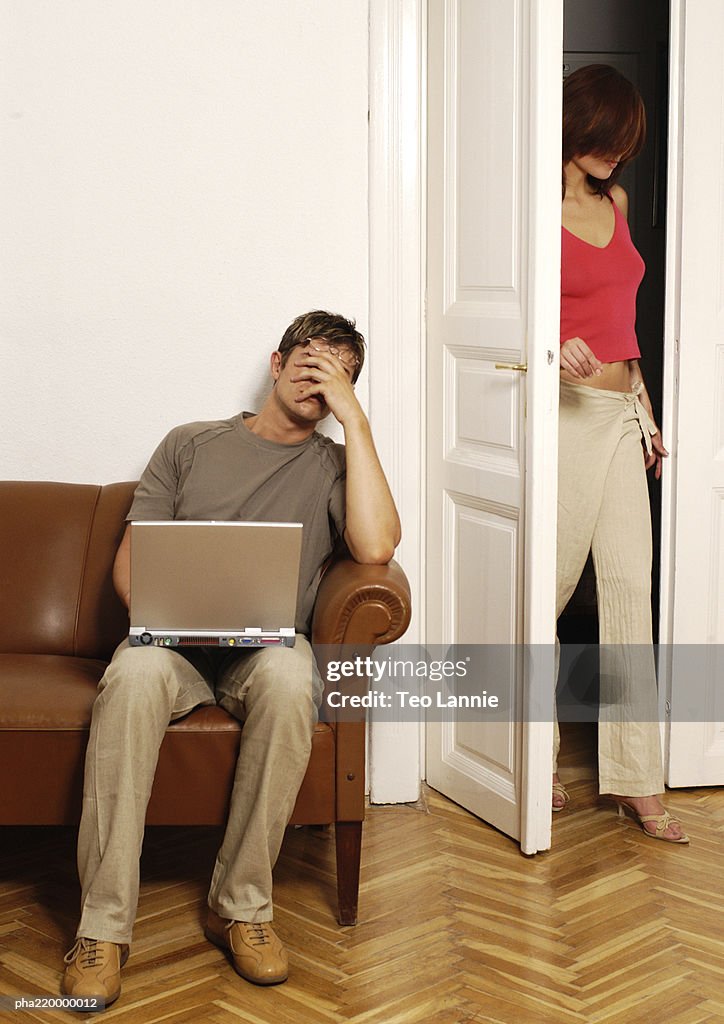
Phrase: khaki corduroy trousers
(275, 691)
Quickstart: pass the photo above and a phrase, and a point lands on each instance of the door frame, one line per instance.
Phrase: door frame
(670, 373)
(684, 26)
(397, 247)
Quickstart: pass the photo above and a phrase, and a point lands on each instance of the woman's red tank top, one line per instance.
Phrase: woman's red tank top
(598, 292)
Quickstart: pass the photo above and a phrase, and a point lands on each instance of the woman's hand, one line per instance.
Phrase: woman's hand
(578, 360)
(658, 453)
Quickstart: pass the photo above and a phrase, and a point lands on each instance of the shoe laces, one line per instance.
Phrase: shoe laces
(87, 952)
(257, 932)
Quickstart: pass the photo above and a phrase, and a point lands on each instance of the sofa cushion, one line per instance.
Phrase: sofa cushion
(45, 712)
(47, 691)
(58, 542)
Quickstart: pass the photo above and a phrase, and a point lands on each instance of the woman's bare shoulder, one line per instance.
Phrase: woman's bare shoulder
(618, 194)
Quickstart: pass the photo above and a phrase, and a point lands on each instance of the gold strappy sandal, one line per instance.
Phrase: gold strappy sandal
(662, 823)
(558, 790)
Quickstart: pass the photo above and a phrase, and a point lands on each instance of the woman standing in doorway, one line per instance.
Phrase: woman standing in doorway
(608, 438)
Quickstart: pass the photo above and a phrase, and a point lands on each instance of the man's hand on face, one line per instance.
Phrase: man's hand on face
(329, 376)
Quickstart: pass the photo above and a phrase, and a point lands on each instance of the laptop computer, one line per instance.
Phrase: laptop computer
(221, 584)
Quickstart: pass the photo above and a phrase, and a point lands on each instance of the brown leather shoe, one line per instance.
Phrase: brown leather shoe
(94, 970)
(256, 952)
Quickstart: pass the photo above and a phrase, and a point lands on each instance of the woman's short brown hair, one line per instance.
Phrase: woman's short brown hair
(603, 116)
(333, 328)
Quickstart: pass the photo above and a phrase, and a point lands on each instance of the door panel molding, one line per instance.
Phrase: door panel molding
(483, 259)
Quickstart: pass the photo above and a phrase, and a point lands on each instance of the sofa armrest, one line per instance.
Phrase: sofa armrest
(361, 604)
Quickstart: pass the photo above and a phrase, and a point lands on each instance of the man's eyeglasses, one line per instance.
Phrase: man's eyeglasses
(345, 354)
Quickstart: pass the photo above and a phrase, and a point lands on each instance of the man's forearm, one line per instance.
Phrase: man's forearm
(373, 526)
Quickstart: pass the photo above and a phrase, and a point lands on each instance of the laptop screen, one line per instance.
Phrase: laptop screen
(213, 581)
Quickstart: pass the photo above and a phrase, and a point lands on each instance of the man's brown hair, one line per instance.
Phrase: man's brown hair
(329, 327)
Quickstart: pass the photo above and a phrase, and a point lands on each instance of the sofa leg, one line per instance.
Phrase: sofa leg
(348, 842)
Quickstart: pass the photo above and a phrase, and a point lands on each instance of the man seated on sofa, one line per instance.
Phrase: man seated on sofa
(273, 466)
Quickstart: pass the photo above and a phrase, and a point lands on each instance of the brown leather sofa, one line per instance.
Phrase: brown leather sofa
(60, 621)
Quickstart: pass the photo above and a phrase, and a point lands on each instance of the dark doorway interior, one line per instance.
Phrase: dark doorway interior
(634, 37)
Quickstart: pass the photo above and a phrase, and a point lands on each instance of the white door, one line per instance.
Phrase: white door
(493, 282)
(695, 616)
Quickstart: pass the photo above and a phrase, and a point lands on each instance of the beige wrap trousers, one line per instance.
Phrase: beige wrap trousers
(275, 691)
(603, 506)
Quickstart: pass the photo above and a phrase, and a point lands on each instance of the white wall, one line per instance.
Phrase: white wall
(178, 180)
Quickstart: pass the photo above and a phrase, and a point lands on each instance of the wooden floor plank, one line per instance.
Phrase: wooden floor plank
(456, 926)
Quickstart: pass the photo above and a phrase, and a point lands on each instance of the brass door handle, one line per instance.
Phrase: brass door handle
(522, 367)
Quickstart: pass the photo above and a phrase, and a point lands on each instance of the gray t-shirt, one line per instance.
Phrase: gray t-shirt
(221, 470)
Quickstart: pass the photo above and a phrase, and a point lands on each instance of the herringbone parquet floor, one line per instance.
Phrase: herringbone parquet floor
(456, 926)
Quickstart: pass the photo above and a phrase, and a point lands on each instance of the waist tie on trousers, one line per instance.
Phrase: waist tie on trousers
(647, 425)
